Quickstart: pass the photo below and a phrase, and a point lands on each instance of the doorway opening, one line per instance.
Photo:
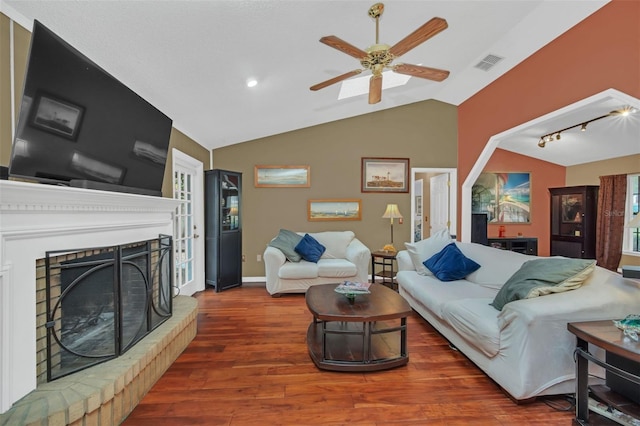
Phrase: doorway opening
(433, 201)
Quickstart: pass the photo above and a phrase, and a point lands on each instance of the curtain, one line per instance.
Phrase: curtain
(610, 220)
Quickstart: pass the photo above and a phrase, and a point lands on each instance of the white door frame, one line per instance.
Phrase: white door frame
(452, 196)
(184, 161)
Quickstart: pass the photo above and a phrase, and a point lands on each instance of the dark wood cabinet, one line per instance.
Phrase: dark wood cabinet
(223, 229)
(573, 221)
(524, 245)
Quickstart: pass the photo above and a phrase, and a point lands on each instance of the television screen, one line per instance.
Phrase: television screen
(80, 126)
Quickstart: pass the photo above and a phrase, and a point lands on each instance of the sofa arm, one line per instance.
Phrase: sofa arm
(359, 255)
(404, 261)
(273, 260)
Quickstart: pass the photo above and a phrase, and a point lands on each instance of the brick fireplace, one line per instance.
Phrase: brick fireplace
(35, 219)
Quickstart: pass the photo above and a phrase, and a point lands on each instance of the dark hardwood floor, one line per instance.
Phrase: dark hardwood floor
(249, 365)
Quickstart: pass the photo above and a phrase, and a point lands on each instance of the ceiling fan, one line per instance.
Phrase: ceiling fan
(379, 56)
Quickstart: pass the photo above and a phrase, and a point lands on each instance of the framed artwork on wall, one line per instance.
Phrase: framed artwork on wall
(333, 209)
(384, 174)
(282, 176)
(503, 197)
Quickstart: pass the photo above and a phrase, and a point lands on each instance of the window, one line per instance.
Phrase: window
(632, 235)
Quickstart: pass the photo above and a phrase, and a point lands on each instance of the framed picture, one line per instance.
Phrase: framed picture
(503, 197)
(325, 210)
(385, 174)
(572, 208)
(282, 176)
(56, 116)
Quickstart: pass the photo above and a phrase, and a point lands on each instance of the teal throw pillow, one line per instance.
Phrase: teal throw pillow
(310, 249)
(286, 241)
(449, 264)
(544, 276)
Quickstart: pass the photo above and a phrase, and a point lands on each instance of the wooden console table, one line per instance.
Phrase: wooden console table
(524, 245)
(607, 336)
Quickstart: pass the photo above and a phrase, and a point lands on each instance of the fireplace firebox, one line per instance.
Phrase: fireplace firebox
(102, 301)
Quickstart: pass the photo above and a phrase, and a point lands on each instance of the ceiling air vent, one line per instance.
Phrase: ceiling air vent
(488, 62)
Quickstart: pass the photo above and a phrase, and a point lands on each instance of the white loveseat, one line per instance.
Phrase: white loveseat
(345, 258)
(525, 347)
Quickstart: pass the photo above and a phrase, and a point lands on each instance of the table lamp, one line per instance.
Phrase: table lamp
(391, 212)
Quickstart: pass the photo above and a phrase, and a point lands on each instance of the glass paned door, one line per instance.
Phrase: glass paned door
(184, 226)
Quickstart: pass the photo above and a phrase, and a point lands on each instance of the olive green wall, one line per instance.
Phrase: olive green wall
(424, 132)
(22, 39)
(589, 174)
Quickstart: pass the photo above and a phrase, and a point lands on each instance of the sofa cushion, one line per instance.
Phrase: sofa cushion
(497, 266)
(449, 264)
(336, 268)
(433, 294)
(335, 242)
(298, 270)
(286, 241)
(310, 249)
(476, 321)
(544, 276)
(424, 249)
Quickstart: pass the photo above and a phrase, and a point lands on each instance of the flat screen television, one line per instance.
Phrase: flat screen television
(80, 126)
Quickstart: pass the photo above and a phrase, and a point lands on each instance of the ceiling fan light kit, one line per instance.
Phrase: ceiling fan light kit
(379, 56)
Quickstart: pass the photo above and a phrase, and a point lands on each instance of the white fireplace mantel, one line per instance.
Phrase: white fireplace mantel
(37, 218)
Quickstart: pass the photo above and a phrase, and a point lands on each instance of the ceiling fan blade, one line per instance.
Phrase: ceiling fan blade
(422, 72)
(343, 46)
(375, 89)
(422, 34)
(335, 80)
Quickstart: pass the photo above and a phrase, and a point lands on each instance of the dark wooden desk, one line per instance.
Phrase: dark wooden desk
(369, 334)
(606, 335)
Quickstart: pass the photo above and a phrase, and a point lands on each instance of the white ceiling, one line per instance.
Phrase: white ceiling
(191, 59)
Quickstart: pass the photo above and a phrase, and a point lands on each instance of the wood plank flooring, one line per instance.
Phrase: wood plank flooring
(249, 365)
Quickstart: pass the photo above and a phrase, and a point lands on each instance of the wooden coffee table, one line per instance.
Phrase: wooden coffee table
(369, 334)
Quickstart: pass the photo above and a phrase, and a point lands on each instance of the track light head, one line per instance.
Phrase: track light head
(558, 136)
(584, 127)
(542, 143)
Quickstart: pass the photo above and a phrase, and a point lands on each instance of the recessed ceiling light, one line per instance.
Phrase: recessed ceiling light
(252, 83)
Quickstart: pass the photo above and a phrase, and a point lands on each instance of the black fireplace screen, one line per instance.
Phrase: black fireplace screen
(102, 301)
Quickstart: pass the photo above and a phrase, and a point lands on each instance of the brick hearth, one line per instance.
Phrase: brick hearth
(105, 394)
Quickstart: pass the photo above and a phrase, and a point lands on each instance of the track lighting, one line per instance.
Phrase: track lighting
(583, 126)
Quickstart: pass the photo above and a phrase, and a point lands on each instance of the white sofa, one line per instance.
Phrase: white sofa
(345, 258)
(525, 348)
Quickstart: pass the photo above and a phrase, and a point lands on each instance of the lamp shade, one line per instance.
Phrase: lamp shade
(392, 212)
(633, 223)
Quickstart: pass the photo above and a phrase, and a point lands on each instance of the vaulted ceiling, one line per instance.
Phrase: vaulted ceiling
(192, 59)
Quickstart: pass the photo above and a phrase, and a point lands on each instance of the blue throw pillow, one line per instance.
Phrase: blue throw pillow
(310, 249)
(449, 264)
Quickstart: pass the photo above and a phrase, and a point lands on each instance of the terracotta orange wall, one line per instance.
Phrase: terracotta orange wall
(543, 176)
(601, 52)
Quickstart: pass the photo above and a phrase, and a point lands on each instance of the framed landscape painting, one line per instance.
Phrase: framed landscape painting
(333, 209)
(282, 176)
(385, 174)
(503, 197)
